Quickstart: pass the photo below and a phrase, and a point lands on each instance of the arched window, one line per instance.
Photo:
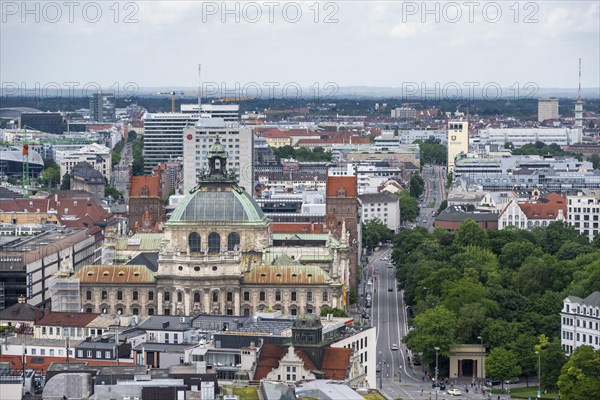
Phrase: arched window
(214, 242)
(233, 240)
(215, 297)
(167, 296)
(196, 297)
(179, 297)
(194, 242)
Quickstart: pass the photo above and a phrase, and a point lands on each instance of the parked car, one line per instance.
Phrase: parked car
(513, 380)
(454, 392)
(493, 382)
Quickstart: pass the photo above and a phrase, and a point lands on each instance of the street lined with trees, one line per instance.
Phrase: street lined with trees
(501, 288)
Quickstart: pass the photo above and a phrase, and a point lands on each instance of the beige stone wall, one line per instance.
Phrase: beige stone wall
(111, 303)
(28, 218)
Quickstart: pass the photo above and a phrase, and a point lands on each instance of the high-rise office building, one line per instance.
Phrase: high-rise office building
(458, 140)
(163, 132)
(237, 140)
(547, 109)
(102, 107)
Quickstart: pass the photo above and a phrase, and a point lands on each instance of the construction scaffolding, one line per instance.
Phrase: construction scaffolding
(65, 293)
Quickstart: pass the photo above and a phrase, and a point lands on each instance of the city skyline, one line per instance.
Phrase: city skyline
(349, 44)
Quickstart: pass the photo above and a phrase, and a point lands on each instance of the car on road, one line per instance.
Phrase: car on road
(391, 289)
(454, 392)
(370, 282)
(441, 385)
(510, 381)
(493, 382)
(394, 346)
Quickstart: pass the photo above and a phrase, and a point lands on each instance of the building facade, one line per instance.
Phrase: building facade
(102, 107)
(519, 137)
(580, 322)
(163, 132)
(85, 177)
(547, 109)
(383, 206)
(146, 211)
(458, 141)
(218, 256)
(98, 156)
(584, 213)
(535, 213)
(343, 216)
(28, 263)
(237, 140)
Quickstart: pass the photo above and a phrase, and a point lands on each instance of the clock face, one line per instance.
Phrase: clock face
(189, 136)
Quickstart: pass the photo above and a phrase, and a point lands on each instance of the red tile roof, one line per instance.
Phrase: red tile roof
(42, 367)
(275, 133)
(282, 227)
(151, 182)
(83, 211)
(308, 364)
(336, 362)
(545, 208)
(268, 358)
(348, 183)
(62, 319)
(335, 365)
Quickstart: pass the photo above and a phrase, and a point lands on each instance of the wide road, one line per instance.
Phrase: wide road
(435, 193)
(398, 377)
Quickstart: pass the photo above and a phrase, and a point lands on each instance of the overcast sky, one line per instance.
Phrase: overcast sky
(350, 43)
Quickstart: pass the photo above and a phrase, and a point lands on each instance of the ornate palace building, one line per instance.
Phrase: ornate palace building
(218, 255)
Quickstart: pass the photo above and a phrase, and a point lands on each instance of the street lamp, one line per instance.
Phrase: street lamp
(437, 349)
(481, 366)
(539, 393)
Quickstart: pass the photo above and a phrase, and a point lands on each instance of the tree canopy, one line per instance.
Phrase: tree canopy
(506, 287)
(580, 376)
(375, 231)
(301, 153)
(409, 207)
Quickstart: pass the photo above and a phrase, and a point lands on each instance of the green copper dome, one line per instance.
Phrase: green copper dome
(229, 205)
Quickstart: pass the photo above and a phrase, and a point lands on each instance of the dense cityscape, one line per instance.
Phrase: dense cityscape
(312, 242)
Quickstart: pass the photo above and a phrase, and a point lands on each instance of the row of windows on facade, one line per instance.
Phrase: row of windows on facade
(51, 352)
(229, 311)
(167, 337)
(581, 323)
(595, 210)
(215, 296)
(214, 242)
(583, 338)
(584, 310)
(71, 332)
(576, 217)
